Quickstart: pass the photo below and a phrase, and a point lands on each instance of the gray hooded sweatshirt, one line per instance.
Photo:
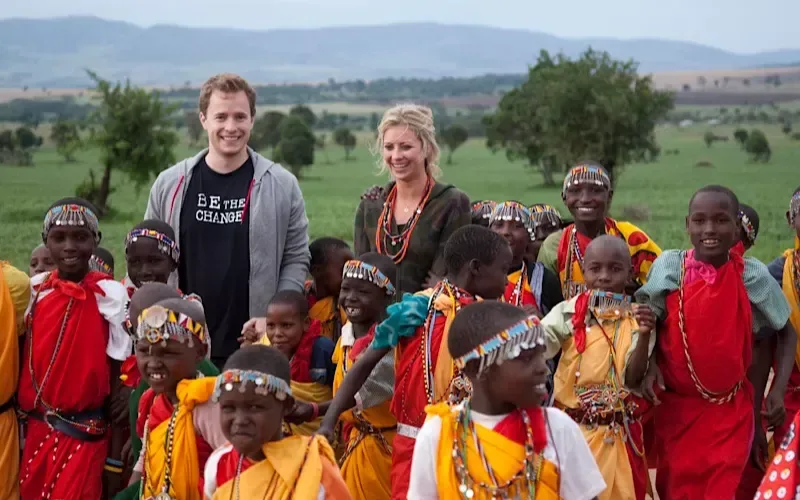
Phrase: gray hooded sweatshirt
(279, 256)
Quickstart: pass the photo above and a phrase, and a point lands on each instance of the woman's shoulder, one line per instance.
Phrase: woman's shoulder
(443, 191)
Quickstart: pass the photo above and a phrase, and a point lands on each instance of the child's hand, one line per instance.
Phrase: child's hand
(326, 432)
(645, 317)
(775, 411)
(300, 414)
(653, 380)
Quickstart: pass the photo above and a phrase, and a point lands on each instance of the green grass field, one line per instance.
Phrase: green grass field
(332, 190)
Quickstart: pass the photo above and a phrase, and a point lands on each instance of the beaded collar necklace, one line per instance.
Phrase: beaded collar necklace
(386, 243)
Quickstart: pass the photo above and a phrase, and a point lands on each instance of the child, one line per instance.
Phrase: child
(748, 218)
(367, 290)
(482, 212)
(254, 395)
(72, 352)
(500, 443)
(546, 220)
(477, 262)
(300, 339)
(151, 254)
(178, 424)
(328, 256)
(102, 261)
(587, 193)
(41, 262)
(15, 292)
(710, 299)
(605, 342)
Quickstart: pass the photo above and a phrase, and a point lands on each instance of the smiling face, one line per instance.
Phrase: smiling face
(71, 248)
(587, 202)
(403, 153)
(713, 226)
(285, 328)
(163, 366)
(146, 263)
(228, 122)
(41, 261)
(249, 420)
(489, 280)
(363, 302)
(607, 267)
(519, 382)
(517, 236)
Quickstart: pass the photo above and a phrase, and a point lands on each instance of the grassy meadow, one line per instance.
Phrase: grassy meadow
(332, 188)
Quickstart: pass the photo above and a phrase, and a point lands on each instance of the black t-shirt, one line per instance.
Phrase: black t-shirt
(215, 250)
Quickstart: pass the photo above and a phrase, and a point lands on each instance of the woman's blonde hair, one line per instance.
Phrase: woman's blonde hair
(419, 119)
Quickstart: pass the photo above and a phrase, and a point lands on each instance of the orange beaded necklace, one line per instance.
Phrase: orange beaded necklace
(384, 239)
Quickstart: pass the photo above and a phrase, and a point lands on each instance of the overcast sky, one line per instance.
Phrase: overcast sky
(736, 25)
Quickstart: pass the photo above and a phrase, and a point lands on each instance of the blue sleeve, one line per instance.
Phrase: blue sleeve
(322, 368)
(775, 268)
(402, 321)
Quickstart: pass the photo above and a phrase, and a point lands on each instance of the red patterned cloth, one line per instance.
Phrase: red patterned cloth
(781, 479)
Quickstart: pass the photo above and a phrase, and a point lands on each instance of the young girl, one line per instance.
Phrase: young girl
(546, 220)
(15, 292)
(71, 358)
(477, 262)
(482, 212)
(370, 427)
(500, 443)
(705, 420)
(587, 193)
(748, 218)
(605, 342)
(102, 261)
(178, 424)
(328, 256)
(41, 262)
(254, 395)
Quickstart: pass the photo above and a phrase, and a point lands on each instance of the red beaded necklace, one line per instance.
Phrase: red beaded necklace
(384, 239)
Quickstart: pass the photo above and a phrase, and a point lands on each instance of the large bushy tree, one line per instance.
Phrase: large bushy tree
(296, 146)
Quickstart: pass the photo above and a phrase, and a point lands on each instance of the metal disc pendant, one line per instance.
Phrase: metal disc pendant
(462, 488)
(470, 493)
(164, 496)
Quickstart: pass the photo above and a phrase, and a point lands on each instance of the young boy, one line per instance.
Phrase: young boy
(178, 424)
(41, 262)
(300, 339)
(482, 212)
(477, 262)
(500, 443)
(605, 342)
(587, 193)
(15, 292)
(328, 256)
(71, 358)
(254, 395)
(370, 427)
(102, 261)
(710, 301)
(151, 254)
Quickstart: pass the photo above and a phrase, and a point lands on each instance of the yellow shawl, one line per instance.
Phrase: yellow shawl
(185, 464)
(309, 392)
(505, 456)
(790, 291)
(295, 468)
(324, 311)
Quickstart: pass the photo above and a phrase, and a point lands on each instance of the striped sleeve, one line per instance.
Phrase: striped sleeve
(770, 308)
(662, 279)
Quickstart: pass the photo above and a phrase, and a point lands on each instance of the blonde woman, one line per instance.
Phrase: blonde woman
(411, 218)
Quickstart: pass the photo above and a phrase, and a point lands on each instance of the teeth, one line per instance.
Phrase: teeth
(541, 387)
(585, 209)
(157, 376)
(352, 311)
(710, 241)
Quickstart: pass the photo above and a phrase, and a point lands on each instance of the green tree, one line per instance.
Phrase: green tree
(787, 127)
(27, 139)
(193, 126)
(453, 137)
(321, 144)
(66, 136)
(296, 146)
(374, 121)
(7, 141)
(740, 135)
(305, 113)
(568, 110)
(344, 138)
(134, 133)
(709, 138)
(757, 146)
(266, 131)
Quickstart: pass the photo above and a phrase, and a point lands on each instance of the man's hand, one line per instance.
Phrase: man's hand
(252, 331)
(775, 411)
(760, 449)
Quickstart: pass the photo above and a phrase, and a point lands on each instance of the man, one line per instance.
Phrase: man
(239, 218)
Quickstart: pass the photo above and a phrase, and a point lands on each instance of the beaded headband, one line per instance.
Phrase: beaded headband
(483, 209)
(586, 174)
(794, 207)
(543, 214)
(747, 225)
(98, 264)
(71, 215)
(369, 273)
(165, 244)
(159, 324)
(264, 383)
(513, 211)
(506, 345)
(599, 299)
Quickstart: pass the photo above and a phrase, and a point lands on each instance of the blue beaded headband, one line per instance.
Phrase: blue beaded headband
(544, 214)
(513, 211)
(98, 264)
(72, 215)
(367, 272)
(165, 244)
(264, 383)
(506, 345)
(586, 174)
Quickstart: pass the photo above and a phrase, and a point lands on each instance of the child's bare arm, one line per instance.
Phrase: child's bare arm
(636, 367)
(786, 346)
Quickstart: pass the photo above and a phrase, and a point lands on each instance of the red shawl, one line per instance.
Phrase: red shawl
(301, 360)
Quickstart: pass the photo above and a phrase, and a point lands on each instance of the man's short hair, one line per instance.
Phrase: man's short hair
(227, 83)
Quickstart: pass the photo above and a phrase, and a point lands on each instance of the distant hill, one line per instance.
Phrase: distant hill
(53, 52)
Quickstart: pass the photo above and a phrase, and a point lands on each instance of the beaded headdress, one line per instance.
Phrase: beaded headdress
(98, 264)
(264, 383)
(543, 214)
(586, 173)
(513, 211)
(367, 272)
(159, 324)
(72, 215)
(749, 229)
(483, 209)
(506, 345)
(794, 207)
(165, 244)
